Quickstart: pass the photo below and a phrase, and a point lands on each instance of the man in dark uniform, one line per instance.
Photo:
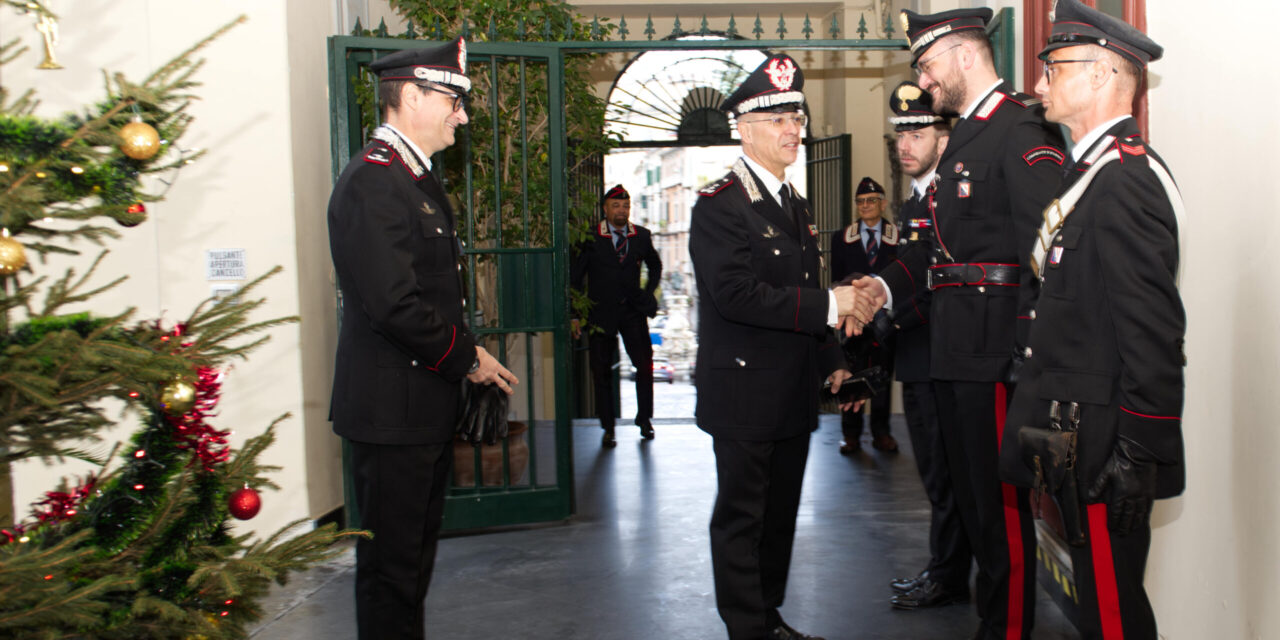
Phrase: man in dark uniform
(1105, 347)
(861, 248)
(999, 169)
(765, 346)
(403, 348)
(921, 137)
(610, 263)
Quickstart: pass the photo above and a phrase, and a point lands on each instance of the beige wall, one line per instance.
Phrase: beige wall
(1213, 563)
(262, 114)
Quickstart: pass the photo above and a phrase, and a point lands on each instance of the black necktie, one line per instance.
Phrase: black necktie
(620, 244)
(784, 198)
(872, 247)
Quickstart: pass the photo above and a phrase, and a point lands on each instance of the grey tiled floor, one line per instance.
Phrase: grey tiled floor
(634, 562)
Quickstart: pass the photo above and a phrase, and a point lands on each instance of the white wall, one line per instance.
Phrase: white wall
(262, 115)
(1212, 570)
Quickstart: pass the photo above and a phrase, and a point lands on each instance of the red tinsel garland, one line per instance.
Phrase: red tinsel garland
(190, 429)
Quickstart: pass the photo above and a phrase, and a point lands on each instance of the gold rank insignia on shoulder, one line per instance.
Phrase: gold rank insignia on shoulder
(427, 209)
(770, 233)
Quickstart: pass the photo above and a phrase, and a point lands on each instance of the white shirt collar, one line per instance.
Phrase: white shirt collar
(771, 182)
(1087, 141)
(974, 105)
(920, 186)
(426, 159)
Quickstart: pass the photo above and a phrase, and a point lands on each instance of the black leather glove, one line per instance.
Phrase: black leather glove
(1127, 485)
(881, 327)
(1015, 367)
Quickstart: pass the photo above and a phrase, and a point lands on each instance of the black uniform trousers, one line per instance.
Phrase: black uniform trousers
(634, 330)
(950, 556)
(996, 515)
(393, 569)
(753, 526)
(1111, 600)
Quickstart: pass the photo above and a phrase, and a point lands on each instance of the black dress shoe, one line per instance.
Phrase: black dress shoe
(885, 442)
(928, 594)
(608, 441)
(849, 447)
(905, 585)
(784, 632)
(646, 430)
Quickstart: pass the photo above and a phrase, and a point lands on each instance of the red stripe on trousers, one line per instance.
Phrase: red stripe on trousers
(1104, 573)
(1012, 528)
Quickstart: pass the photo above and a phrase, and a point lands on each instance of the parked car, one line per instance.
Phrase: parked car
(662, 371)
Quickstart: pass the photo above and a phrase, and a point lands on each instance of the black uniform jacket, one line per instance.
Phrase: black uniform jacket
(764, 346)
(848, 255)
(1109, 322)
(1001, 166)
(403, 348)
(613, 286)
(911, 313)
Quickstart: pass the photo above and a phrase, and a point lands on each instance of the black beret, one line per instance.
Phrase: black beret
(1075, 24)
(923, 30)
(445, 64)
(869, 186)
(774, 86)
(618, 192)
(912, 108)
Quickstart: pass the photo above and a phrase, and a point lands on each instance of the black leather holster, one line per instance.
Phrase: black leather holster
(1051, 454)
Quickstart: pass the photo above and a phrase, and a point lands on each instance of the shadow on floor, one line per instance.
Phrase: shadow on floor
(634, 563)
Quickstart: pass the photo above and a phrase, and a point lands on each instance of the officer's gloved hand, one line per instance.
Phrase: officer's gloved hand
(1127, 485)
(881, 326)
(1015, 366)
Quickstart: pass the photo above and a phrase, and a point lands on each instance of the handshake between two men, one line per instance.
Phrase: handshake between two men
(858, 298)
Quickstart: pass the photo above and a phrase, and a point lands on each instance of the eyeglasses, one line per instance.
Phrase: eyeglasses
(1048, 67)
(800, 120)
(459, 100)
(868, 200)
(922, 67)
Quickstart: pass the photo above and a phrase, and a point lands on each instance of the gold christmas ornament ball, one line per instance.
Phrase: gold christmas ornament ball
(12, 255)
(178, 397)
(139, 140)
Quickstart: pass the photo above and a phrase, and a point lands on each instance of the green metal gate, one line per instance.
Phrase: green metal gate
(515, 235)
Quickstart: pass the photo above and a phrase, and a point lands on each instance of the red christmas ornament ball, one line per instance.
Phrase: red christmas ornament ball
(244, 503)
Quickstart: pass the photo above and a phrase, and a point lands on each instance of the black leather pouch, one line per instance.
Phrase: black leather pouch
(1051, 454)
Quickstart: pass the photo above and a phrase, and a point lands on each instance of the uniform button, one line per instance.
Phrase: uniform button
(897, 327)
(1033, 314)
(982, 289)
(777, 252)
(740, 361)
(413, 363)
(1027, 352)
(933, 260)
(439, 230)
(459, 267)
(806, 275)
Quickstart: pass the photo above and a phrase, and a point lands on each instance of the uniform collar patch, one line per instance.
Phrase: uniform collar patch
(989, 107)
(748, 181)
(388, 137)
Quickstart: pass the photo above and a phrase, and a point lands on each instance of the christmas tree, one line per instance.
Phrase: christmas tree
(142, 547)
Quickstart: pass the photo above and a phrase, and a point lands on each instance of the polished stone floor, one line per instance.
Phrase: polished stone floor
(634, 562)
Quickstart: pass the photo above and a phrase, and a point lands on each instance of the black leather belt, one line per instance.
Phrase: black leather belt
(973, 274)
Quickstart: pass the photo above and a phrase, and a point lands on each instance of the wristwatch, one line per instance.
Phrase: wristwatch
(475, 366)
